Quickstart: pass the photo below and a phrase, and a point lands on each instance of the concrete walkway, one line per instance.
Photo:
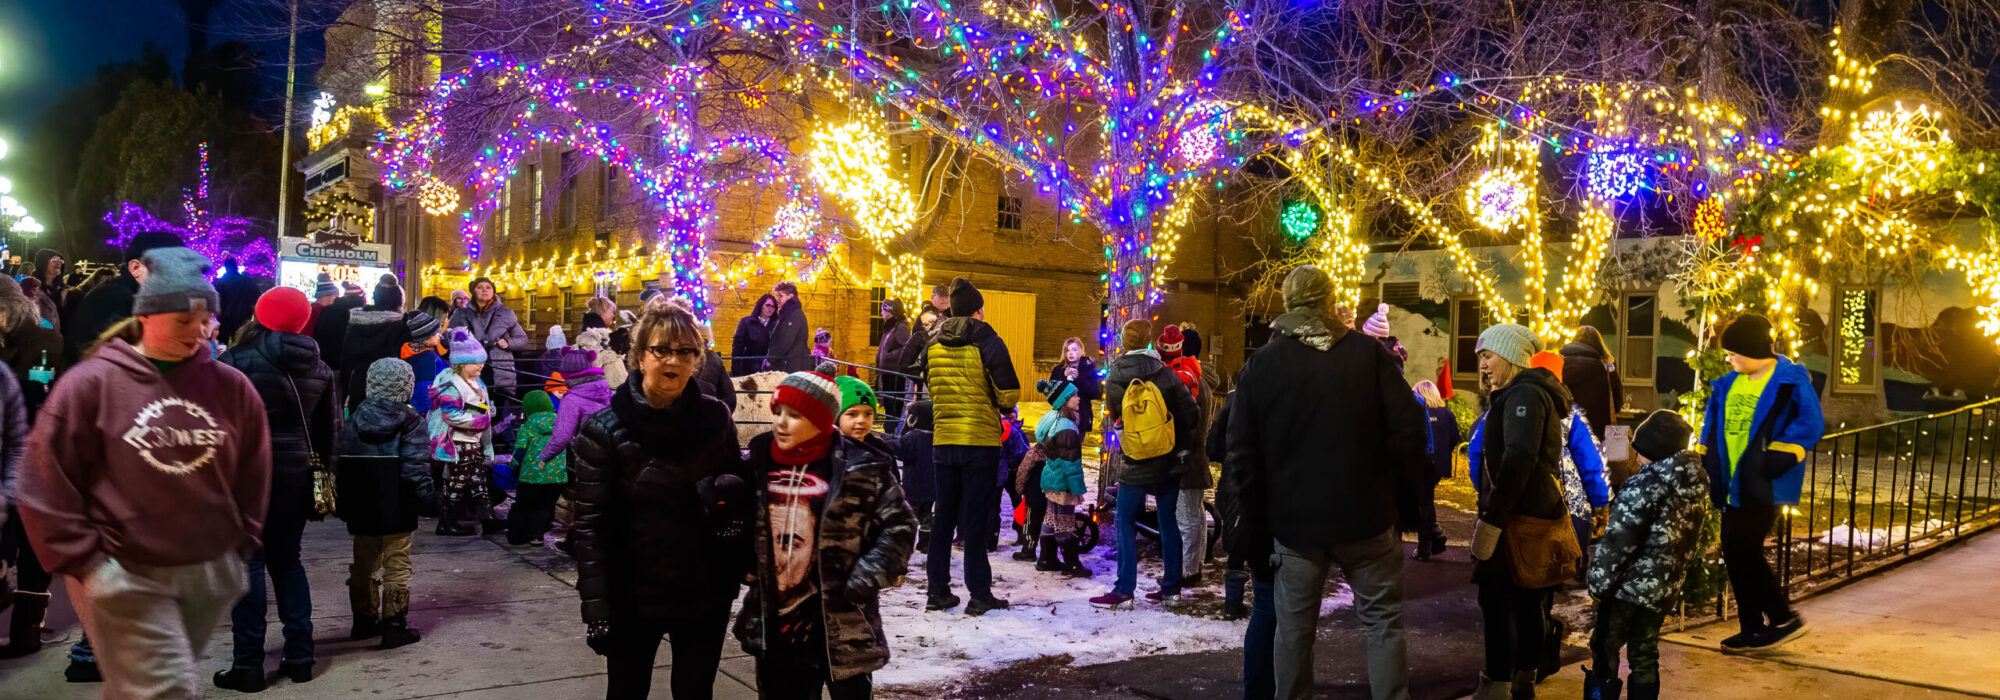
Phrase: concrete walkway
(1926, 629)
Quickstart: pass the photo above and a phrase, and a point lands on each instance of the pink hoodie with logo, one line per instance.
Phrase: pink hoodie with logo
(127, 463)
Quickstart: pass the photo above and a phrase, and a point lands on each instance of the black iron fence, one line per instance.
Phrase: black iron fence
(1886, 492)
(892, 398)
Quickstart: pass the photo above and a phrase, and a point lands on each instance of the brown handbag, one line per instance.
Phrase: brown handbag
(1543, 552)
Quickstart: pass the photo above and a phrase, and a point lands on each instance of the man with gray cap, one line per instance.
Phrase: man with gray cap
(1326, 455)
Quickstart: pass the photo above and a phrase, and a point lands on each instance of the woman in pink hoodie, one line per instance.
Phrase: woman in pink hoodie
(147, 477)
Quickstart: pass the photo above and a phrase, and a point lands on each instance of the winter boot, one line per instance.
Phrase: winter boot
(1490, 689)
(1051, 558)
(980, 606)
(1233, 583)
(396, 632)
(1073, 561)
(1596, 687)
(1028, 544)
(297, 671)
(1644, 691)
(1523, 686)
(24, 635)
(242, 680)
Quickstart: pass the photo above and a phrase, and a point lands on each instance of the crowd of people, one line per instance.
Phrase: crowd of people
(168, 472)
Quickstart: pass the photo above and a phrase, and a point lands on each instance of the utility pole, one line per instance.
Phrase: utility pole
(285, 142)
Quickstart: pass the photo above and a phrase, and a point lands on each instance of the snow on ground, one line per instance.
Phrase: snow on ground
(1050, 615)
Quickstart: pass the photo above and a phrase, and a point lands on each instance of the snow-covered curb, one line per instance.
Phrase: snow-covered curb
(1049, 616)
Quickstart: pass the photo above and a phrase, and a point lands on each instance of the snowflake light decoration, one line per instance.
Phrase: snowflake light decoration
(1300, 220)
(1616, 173)
(1498, 198)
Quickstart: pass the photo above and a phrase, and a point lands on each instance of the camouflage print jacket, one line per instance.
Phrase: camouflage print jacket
(866, 533)
(1655, 524)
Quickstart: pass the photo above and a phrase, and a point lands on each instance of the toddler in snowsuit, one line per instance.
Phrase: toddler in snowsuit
(1059, 478)
(385, 483)
(1013, 449)
(919, 470)
(1647, 545)
(461, 415)
(539, 481)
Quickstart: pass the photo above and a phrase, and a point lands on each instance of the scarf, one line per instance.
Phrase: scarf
(1311, 326)
(803, 453)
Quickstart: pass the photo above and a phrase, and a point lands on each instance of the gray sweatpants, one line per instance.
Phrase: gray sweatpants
(1194, 531)
(1373, 568)
(149, 624)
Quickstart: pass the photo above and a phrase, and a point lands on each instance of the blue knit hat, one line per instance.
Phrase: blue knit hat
(465, 349)
(1057, 391)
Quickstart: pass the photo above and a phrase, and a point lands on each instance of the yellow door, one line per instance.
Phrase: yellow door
(1012, 315)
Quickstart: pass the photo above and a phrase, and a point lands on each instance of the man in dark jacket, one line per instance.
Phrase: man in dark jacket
(111, 302)
(385, 483)
(1326, 450)
(239, 295)
(791, 336)
(1522, 446)
(373, 332)
(972, 383)
(1158, 476)
(330, 329)
(1763, 418)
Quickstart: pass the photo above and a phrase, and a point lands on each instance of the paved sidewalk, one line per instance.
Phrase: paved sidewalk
(499, 623)
(1927, 629)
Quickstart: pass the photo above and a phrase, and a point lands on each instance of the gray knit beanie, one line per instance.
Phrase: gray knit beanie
(392, 379)
(1512, 342)
(174, 282)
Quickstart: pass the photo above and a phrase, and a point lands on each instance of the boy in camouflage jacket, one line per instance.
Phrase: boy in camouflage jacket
(1635, 575)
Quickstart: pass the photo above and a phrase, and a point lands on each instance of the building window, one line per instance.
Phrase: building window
(876, 326)
(535, 200)
(1854, 351)
(1009, 218)
(1466, 319)
(604, 191)
(566, 200)
(1642, 321)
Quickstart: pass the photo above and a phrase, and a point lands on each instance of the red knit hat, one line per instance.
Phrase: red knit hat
(284, 309)
(814, 395)
(1170, 342)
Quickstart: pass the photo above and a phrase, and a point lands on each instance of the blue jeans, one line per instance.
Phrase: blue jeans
(280, 556)
(1132, 502)
(1260, 680)
(967, 484)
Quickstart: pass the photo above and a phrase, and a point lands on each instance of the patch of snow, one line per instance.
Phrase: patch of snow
(1048, 615)
(1872, 538)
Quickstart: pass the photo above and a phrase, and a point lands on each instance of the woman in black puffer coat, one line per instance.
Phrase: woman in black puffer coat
(661, 537)
(1590, 374)
(301, 404)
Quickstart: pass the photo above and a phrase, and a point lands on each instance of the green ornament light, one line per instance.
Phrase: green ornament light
(1300, 220)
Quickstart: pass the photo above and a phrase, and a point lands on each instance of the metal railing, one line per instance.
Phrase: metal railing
(1880, 494)
(888, 421)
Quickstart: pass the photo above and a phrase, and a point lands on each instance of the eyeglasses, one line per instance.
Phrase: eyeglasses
(662, 352)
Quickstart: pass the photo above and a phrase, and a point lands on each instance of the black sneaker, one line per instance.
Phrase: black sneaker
(979, 606)
(1783, 633)
(1741, 641)
(82, 672)
(941, 602)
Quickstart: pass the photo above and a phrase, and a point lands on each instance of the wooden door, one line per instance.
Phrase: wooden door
(1012, 315)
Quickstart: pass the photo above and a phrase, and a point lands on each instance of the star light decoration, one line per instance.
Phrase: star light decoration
(201, 230)
(1498, 198)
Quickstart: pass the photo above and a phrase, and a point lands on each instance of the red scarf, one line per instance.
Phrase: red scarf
(803, 453)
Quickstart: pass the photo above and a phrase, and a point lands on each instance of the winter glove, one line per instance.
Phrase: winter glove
(724, 499)
(1485, 539)
(598, 636)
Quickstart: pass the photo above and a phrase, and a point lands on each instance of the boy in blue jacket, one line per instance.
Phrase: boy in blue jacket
(1762, 419)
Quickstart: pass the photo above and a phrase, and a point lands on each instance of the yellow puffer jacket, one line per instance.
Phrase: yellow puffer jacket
(972, 382)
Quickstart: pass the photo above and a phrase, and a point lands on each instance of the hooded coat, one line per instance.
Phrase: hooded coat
(1145, 364)
(384, 469)
(1651, 535)
(752, 341)
(1522, 474)
(330, 329)
(163, 469)
(588, 394)
(646, 547)
(791, 340)
(972, 381)
(1326, 442)
(490, 326)
(1592, 385)
(1786, 425)
(101, 309)
(895, 342)
(1195, 473)
(372, 334)
(301, 407)
(866, 533)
